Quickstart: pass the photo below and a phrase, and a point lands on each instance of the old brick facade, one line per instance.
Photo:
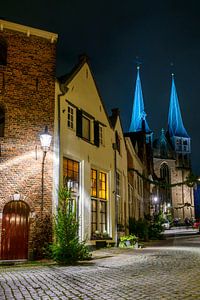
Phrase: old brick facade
(27, 94)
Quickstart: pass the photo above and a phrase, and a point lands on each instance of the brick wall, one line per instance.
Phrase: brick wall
(27, 96)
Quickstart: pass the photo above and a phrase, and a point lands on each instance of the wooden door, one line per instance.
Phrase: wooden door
(15, 228)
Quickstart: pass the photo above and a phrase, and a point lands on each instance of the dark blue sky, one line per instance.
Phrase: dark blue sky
(113, 34)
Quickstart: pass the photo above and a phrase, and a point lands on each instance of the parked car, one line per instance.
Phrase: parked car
(166, 224)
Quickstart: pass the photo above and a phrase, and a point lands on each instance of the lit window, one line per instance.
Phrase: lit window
(70, 117)
(71, 174)
(86, 128)
(98, 202)
(102, 185)
(94, 183)
(2, 122)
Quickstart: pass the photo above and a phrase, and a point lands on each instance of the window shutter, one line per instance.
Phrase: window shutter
(96, 133)
(79, 122)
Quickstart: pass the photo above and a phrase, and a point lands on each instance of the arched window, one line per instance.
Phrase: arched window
(164, 172)
(2, 122)
(3, 52)
(165, 192)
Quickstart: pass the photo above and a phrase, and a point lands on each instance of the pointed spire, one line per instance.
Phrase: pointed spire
(138, 120)
(175, 123)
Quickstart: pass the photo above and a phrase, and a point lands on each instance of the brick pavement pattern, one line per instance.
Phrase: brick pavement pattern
(161, 273)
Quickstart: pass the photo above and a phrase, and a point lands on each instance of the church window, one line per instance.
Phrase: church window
(2, 122)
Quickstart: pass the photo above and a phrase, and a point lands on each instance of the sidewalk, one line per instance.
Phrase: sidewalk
(174, 231)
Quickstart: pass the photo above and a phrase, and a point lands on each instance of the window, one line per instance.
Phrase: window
(98, 201)
(2, 122)
(117, 183)
(71, 174)
(3, 52)
(101, 135)
(119, 200)
(103, 207)
(165, 193)
(117, 141)
(70, 117)
(94, 183)
(93, 215)
(86, 128)
(102, 185)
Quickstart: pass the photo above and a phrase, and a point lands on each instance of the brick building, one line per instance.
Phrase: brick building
(27, 93)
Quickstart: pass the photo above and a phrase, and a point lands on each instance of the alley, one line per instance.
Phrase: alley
(167, 270)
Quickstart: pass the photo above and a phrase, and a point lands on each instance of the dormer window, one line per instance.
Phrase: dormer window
(2, 122)
(3, 52)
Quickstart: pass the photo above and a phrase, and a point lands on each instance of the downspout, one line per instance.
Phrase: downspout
(115, 186)
(63, 90)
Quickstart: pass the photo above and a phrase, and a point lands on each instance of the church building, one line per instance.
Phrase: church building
(172, 164)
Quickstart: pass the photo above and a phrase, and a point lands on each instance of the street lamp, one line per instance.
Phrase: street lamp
(45, 139)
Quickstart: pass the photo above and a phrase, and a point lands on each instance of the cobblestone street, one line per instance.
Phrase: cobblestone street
(166, 271)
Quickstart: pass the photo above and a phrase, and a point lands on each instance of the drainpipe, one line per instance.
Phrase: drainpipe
(63, 91)
(115, 186)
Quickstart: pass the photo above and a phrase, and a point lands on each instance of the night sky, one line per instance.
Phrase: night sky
(163, 35)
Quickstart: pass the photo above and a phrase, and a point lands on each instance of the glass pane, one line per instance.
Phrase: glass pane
(86, 128)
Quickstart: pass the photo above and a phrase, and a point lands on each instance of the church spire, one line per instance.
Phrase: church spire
(138, 120)
(175, 123)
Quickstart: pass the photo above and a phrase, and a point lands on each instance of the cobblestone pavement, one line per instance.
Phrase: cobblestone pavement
(167, 272)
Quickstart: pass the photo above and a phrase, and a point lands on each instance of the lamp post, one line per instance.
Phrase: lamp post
(45, 139)
(155, 200)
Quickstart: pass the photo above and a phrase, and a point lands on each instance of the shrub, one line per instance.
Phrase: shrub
(128, 241)
(67, 249)
(42, 236)
(139, 227)
(147, 229)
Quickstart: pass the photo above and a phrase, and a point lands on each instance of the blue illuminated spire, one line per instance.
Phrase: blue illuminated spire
(175, 123)
(138, 120)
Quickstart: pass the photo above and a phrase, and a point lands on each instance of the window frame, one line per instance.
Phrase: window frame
(70, 117)
(88, 136)
(101, 215)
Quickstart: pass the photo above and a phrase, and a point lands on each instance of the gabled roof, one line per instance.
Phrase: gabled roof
(175, 123)
(138, 120)
(67, 78)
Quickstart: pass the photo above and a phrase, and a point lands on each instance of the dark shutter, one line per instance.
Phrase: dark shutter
(79, 122)
(96, 133)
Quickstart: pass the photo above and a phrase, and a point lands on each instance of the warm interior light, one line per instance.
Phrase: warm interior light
(45, 139)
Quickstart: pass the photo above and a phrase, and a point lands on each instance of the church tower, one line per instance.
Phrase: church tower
(176, 131)
(141, 138)
(172, 163)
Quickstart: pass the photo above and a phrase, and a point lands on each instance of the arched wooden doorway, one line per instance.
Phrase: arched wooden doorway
(15, 228)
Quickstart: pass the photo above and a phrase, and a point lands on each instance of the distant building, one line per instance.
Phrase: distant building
(27, 95)
(172, 164)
